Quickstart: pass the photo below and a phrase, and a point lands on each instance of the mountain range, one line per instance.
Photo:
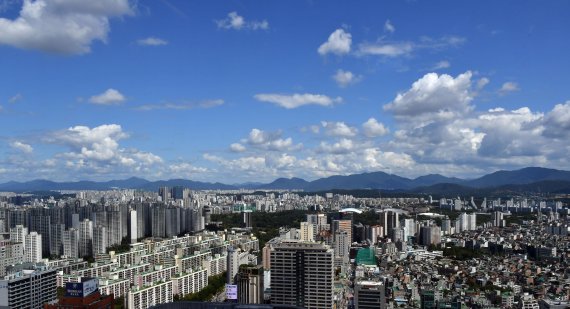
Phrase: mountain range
(530, 179)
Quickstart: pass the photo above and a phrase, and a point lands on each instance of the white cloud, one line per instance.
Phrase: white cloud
(236, 22)
(296, 100)
(444, 64)
(61, 26)
(98, 149)
(182, 106)
(185, 170)
(509, 87)
(434, 96)
(510, 134)
(389, 27)
(270, 141)
(338, 43)
(339, 129)
(345, 78)
(152, 41)
(25, 148)
(15, 98)
(394, 49)
(344, 145)
(373, 128)
(386, 49)
(557, 121)
(482, 82)
(237, 147)
(109, 97)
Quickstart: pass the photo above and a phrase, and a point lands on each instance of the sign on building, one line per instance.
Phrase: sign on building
(231, 291)
(81, 289)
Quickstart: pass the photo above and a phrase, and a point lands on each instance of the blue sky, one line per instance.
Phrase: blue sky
(236, 91)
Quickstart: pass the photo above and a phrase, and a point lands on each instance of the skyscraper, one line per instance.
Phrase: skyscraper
(133, 227)
(85, 238)
(100, 243)
(247, 220)
(302, 274)
(343, 225)
(389, 220)
(250, 284)
(71, 243)
(33, 247)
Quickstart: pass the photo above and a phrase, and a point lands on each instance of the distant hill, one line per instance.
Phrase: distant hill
(285, 184)
(530, 179)
(433, 179)
(376, 180)
(522, 176)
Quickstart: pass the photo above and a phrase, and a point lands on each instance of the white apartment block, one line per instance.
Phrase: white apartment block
(141, 298)
(190, 282)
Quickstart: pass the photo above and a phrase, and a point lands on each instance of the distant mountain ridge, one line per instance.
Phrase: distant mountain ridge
(526, 178)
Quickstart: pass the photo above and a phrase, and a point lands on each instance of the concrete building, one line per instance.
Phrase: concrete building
(11, 253)
(133, 226)
(150, 295)
(306, 232)
(85, 238)
(389, 220)
(247, 218)
(71, 243)
(250, 284)
(369, 295)
(28, 286)
(18, 234)
(343, 225)
(33, 247)
(302, 274)
(100, 243)
(430, 235)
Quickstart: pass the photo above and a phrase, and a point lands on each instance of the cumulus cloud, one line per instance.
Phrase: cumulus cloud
(98, 149)
(185, 170)
(509, 87)
(344, 145)
(290, 101)
(557, 121)
(434, 96)
(236, 22)
(338, 129)
(109, 97)
(345, 78)
(338, 43)
(270, 141)
(61, 26)
(237, 147)
(152, 41)
(389, 27)
(510, 133)
(23, 147)
(373, 128)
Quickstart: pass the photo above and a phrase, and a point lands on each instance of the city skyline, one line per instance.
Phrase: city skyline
(253, 91)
